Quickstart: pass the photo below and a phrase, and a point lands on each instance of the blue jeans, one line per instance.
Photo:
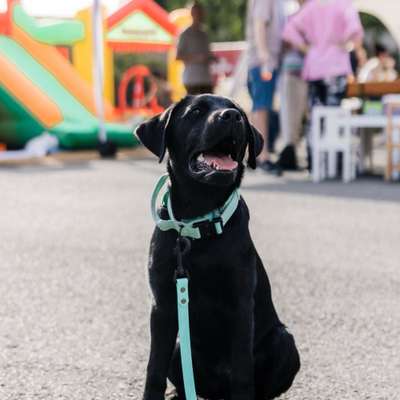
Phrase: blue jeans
(261, 92)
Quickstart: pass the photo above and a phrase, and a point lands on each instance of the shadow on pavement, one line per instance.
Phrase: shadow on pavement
(363, 189)
(46, 167)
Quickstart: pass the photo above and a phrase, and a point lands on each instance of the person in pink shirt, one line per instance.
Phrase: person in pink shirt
(325, 31)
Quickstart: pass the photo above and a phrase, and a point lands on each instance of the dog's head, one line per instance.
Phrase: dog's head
(206, 137)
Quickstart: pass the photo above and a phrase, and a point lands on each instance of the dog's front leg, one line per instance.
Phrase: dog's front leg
(242, 378)
(164, 329)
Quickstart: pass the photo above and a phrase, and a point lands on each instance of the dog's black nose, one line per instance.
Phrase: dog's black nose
(230, 114)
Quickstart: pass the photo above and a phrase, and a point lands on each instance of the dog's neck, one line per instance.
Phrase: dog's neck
(191, 199)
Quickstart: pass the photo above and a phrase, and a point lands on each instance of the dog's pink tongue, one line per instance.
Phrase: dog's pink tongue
(220, 161)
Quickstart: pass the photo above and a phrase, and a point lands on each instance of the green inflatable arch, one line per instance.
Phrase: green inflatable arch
(55, 33)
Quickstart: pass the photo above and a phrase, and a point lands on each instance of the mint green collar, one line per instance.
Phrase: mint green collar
(201, 227)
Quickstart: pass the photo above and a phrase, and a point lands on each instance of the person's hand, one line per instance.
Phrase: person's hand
(346, 46)
(266, 75)
(304, 48)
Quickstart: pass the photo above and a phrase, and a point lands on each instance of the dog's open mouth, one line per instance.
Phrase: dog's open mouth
(220, 158)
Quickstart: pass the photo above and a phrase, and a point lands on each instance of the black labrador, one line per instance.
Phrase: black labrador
(240, 348)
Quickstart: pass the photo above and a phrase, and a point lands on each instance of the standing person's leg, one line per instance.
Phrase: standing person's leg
(317, 96)
(293, 109)
(335, 90)
(317, 93)
(262, 94)
(260, 119)
(199, 89)
(285, 109)
(301, 107)
(259, 112)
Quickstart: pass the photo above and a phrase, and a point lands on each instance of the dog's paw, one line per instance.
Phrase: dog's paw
(171, 394)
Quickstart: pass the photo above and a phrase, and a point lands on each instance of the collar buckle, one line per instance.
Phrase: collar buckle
(209, 228)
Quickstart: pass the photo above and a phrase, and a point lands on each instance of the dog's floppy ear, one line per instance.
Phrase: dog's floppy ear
(153, 132)
(255, 143)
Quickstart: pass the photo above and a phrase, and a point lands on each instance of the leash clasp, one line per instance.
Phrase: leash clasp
(182, 247)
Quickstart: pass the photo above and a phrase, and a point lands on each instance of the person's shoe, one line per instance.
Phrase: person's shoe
(288, 159)
(271, 168)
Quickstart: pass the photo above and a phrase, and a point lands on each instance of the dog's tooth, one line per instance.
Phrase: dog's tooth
(200, 157)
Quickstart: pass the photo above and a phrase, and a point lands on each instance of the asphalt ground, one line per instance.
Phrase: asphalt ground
(74, 298)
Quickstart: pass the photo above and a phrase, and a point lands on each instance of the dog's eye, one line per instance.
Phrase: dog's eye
(195, 111)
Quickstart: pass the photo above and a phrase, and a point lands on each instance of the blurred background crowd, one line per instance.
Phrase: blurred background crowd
(300, 54)
(279, 59)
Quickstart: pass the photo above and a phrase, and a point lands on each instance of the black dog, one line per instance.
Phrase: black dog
(240, 348)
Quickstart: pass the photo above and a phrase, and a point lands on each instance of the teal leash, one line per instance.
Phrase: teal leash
(205, 226)
(182, 294)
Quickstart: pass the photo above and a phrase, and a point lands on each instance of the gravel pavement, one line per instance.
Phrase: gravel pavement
(74, 299)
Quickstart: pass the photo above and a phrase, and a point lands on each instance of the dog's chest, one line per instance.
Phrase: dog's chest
(215, 279)
(213, 306)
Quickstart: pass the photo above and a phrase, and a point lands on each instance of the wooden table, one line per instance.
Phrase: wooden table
(373, 89)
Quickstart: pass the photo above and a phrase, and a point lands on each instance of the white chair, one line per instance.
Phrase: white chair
(331, 134)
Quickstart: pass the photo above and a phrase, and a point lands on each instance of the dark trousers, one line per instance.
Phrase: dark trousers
(327, 92)
(198, 89)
